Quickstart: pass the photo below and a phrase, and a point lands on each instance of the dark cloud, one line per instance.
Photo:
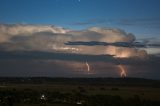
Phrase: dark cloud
(91, 22)
(60, 68)
(117, 44)
(54, 56)
(153, 22)
(52, 68)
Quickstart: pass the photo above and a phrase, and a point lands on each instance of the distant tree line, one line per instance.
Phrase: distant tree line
(82, 81)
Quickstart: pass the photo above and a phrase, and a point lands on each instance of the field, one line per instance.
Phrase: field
(79, 91)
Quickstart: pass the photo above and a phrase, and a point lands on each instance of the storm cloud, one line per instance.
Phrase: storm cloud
(42, 50)
(18, 37)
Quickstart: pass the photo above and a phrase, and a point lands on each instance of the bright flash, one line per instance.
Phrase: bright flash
(72, 49)
(123, 72)
(88, 67)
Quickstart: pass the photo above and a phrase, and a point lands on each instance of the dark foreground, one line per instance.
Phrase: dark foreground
(79, 91)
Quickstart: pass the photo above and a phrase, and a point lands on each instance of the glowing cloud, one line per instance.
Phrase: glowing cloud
(123, 52)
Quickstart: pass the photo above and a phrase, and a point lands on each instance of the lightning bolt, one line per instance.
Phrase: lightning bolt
(123, 72)
(88, 67)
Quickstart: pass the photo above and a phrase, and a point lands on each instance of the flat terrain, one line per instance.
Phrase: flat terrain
(79, 91)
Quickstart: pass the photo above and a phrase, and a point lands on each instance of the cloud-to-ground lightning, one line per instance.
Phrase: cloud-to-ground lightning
(123, 71)
(88, 67)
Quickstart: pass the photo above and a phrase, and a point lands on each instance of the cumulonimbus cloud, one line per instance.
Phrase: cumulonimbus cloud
(18, 37)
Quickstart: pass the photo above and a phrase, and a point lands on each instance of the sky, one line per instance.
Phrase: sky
(80, 38)
(139, 16)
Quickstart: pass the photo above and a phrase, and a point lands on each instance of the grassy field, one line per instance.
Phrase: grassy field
(125, 92)
(80, 92)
